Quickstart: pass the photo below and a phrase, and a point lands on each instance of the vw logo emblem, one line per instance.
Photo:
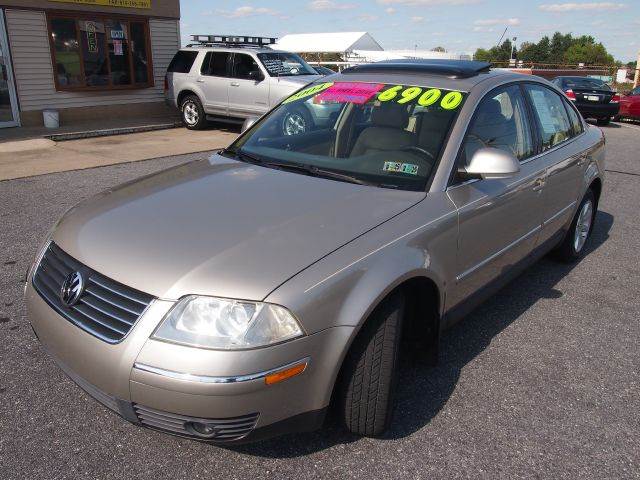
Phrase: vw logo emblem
(72, 289)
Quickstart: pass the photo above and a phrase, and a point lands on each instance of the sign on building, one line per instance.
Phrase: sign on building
(111, 3)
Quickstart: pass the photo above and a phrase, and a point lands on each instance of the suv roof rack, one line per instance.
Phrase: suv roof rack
(449, 68)
(231, 41)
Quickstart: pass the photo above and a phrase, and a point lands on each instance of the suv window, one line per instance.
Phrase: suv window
(574, 118)
(551, 115)
(182, 61)
(243, 65)
(500, 121)
(215, 64)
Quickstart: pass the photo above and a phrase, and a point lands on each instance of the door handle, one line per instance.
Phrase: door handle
(235, 84)
(200, 80)
(538, 184)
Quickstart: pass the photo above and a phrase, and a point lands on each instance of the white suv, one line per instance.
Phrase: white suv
(234, 78)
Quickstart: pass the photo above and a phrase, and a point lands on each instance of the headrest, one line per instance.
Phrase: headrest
(390, 114)
(491, 112)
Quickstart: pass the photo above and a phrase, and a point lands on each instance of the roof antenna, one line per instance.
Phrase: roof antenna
(503, 33)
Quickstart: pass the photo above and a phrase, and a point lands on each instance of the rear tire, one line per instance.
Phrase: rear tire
(369, 375)
(193, 115)
(604, 121)
(573, 245)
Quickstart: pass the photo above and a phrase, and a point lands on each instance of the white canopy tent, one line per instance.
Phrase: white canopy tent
(337, 42)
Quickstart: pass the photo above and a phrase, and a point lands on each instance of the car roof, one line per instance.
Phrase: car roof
(222, 48)
(577, 77)
(425, 78)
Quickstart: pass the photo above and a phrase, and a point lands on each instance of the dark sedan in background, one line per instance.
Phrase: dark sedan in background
(593, 97)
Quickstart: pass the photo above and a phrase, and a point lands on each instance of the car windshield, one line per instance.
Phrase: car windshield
(369, 133)
(282, 64)
(587, 83)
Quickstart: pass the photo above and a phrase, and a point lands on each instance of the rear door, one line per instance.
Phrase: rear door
(214, 82)
(499, 219)
(247, 96)
(558, 125)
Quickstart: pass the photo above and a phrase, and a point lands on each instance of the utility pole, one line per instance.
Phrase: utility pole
(636, 78)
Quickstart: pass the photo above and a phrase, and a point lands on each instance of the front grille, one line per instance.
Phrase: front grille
(228, 429)
(106, 309)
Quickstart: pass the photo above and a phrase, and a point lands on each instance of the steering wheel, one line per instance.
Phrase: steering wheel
(419, 150)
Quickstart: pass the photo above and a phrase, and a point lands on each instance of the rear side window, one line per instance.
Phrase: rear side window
(500, 121)
(182, 61)
(574, 119)
(551, 115)
(215, 64)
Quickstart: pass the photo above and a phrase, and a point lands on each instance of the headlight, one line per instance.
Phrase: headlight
(222, 323)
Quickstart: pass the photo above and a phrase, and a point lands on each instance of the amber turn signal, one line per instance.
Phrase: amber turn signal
(282, 375)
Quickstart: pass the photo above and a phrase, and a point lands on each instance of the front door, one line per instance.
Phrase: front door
(214, 81)
(499, 219)
(247, 96)
(8, 101)
(558, 124)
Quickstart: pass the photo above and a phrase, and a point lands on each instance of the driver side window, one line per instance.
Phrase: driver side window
(243, 65)
(501, 122)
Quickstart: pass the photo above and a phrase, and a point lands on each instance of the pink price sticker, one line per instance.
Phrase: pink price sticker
(352, 92)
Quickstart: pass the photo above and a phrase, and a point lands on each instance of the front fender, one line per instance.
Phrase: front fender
(344, 287)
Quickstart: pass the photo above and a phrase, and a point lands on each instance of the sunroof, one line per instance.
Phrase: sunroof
(449, 68)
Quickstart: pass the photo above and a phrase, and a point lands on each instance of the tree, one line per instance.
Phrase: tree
(589, 53)
(560, 48)
(500, 53)
(438, 49)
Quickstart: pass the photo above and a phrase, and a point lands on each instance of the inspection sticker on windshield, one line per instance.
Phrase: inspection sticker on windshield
(397, 167)
(353, 92)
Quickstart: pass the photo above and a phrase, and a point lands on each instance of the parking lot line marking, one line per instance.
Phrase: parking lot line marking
(633, 127)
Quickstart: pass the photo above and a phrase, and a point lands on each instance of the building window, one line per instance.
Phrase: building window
(100, 52)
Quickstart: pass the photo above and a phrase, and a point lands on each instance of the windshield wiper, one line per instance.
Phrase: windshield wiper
(318, 172)
(298, 167)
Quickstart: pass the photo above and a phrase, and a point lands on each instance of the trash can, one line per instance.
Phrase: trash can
(51, 118)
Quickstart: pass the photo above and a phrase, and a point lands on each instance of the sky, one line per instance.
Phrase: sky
(457, 25)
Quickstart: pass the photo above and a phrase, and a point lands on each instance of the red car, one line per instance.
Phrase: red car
(630, 105)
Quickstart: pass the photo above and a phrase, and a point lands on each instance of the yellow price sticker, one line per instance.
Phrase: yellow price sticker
(450, 101)
(308, 92)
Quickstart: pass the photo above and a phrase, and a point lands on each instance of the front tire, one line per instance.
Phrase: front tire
(297, 121)
(369, 375)
(193, 115)
(573, 245)
(604, 121)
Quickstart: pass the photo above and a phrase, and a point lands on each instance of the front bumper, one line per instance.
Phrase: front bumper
(151, 398)
(598, 110)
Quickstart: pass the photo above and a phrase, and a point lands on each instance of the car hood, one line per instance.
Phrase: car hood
(221, 227)
(298, 81)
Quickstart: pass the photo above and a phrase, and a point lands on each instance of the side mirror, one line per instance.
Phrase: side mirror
(256, 75)
(489, 163)
(248, 123)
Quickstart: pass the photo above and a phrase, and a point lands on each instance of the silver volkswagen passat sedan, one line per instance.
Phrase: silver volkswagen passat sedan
(235, 298)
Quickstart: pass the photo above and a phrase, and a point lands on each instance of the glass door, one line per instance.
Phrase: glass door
(9, 116)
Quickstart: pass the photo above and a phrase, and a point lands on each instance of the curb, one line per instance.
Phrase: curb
(62, 137)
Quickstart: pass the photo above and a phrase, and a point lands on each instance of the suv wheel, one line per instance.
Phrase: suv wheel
(296, 121)
(572, 247)
(370, 371)
(604, 121)
(193, 114)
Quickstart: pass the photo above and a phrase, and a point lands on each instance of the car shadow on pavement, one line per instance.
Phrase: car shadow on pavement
(423, 390)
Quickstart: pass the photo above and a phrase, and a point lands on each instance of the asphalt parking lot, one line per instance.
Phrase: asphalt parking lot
(541, 381)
